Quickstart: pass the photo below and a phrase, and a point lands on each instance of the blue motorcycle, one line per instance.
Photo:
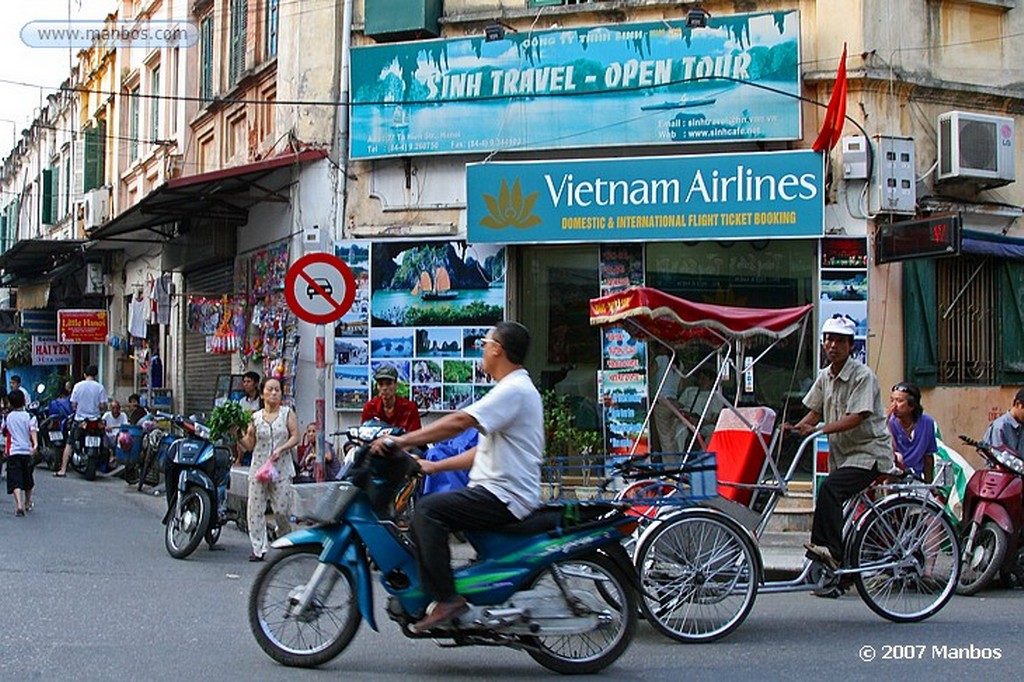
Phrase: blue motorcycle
(557, 585)
(198, 474)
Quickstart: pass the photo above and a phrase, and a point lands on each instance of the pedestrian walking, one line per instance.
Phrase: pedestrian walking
(272, 437)
(20, 429)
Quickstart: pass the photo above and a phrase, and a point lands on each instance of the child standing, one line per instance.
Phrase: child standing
(21, 439)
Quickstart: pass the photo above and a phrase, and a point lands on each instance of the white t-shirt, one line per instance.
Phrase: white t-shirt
(511, 447)
(114, 424)
(86, 397)
(19, 424)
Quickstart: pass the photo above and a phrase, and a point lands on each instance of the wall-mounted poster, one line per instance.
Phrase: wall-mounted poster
(425, 306)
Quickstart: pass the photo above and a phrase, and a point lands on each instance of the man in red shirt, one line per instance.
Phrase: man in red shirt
(388, 406)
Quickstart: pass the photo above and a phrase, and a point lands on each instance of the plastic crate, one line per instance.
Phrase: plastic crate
(678, 483)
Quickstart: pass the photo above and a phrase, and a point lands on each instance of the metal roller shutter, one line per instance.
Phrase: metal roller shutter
(202, 368)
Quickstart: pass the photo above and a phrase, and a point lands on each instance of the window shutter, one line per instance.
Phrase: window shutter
(206, 58)
(1010, 369)
(46, 210)
(78, 183)
(89, 175)
(920, 331)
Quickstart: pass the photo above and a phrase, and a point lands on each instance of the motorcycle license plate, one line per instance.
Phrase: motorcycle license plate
(56, 437)
(92, 441)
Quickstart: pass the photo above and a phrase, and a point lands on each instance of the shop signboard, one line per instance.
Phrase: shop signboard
(611, 85)
(771, 195)
(46, 351)
(82, 326)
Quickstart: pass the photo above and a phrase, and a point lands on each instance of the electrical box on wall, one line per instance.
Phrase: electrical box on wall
(893, 187)
(855, 157)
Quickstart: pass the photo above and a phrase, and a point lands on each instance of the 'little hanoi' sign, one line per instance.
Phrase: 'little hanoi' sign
(82, 326)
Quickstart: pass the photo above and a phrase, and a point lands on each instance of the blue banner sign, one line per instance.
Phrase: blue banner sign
(611, 85)
(721, 196)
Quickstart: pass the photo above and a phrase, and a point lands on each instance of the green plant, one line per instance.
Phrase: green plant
(19, 350)
(563, 436)
(228, 416)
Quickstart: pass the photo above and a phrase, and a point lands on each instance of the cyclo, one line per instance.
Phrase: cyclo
(698, 560)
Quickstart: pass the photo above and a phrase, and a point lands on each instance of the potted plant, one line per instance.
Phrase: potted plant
(570, 450)
(228, 420)
(19, 350)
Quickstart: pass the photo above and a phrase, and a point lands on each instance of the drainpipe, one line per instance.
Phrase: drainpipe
(328, 237)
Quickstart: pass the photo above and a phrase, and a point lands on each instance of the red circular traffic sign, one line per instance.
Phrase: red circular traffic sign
(320, 288)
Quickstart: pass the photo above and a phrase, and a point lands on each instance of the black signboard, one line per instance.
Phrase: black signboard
(929, 238)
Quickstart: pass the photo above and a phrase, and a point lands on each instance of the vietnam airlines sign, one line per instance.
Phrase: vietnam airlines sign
(723, 196)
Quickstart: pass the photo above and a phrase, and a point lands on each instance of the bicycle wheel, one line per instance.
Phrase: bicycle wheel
(909, 558)
(700, 570)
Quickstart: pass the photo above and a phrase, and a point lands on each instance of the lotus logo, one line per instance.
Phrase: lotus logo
(510, 208)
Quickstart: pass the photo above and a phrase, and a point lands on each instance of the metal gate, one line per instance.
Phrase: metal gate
(202, 368)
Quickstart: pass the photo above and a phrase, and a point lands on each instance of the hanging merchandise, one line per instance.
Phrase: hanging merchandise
(267, 270)
(156, 372)
(225, 339)
(137, 315)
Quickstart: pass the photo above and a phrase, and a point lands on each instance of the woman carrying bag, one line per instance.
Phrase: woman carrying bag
(272, 437)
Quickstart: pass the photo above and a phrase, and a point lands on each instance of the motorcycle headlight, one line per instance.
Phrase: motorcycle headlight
(1009, 460)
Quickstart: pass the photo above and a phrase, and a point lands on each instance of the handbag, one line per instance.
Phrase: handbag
(267, 473)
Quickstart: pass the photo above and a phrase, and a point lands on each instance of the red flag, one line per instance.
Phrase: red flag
(835, 115)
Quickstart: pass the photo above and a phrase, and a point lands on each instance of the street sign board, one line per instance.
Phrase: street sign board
(82, 326)
(320, 288)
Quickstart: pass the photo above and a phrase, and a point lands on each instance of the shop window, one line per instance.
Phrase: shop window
(963, 321)
(759, 274)
(557, 284)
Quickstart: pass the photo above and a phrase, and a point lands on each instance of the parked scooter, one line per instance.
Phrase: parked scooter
(198, 474)
(557, 585)
(51, 441)
(993, 519)
(89, 449)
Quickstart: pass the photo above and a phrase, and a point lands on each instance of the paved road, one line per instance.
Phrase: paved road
(88, 593)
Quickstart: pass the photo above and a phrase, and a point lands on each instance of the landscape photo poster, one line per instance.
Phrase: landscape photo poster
(423, 311)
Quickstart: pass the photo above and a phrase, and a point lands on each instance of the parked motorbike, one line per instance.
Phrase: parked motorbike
(993, 519)
(198, 474)
(557, 585)
(89, 449)
(51, 440)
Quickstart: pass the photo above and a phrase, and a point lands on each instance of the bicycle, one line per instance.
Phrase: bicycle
(701, 571)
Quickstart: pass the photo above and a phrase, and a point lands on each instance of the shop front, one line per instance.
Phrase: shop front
(731, 229)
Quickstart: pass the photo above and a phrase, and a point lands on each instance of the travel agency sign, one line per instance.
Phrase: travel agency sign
(720, 196)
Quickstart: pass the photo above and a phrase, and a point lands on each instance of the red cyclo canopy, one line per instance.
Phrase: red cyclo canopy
(675, 319)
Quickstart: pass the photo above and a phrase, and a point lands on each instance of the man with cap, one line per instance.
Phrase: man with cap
(388, 406)
(847, 398)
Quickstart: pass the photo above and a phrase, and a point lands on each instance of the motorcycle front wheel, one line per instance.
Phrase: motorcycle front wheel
(597, 583)
(185, 530)
(982, 560)
(315, 635)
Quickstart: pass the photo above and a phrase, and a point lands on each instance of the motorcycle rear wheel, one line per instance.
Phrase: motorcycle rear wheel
(312, 638)
(90, 468)
(982, 561)
(599, 577)
(185, 531)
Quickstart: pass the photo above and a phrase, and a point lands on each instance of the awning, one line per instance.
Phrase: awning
(32, 259)
(224, 195)
(979, 243)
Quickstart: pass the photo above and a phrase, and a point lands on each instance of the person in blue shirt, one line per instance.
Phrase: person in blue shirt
(1008, 430)
(61, 405)
(913, 432)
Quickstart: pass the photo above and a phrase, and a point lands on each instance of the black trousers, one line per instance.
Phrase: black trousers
(436, 517)
(841, 485)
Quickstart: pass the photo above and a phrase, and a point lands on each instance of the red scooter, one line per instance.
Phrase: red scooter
(993, 519)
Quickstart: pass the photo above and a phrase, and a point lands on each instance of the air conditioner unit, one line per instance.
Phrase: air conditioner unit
(97, 208)
(976, 148)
